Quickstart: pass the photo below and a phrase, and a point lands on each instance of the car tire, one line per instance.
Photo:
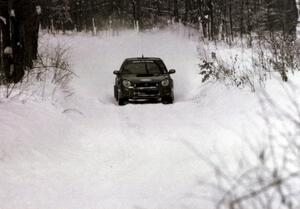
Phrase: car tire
(168, 100)
(121, 100)
(116, 92)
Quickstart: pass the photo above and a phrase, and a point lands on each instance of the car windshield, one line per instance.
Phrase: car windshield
(143, 68)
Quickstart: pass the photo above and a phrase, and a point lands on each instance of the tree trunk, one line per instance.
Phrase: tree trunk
(20, 36)
(176, 11)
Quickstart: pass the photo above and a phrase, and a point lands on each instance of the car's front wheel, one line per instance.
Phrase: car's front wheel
(168, 100)
(116, 92)
(121, 100)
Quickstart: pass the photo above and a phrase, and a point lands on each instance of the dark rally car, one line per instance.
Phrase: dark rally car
(143, 78)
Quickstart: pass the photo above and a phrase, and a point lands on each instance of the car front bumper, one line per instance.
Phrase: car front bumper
(136, 93)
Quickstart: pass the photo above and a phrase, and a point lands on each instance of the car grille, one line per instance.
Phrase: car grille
(146, 89)
(146, 84)
(149, 92)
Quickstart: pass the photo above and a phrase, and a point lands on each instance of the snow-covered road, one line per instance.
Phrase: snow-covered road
(140, 149)
(91, 153)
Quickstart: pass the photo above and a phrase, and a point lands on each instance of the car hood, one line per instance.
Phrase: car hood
(138, 79)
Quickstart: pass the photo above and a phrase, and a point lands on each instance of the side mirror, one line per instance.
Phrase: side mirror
(172, 71)
(116, 72)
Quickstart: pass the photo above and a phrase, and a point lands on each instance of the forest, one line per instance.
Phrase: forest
(216, 19)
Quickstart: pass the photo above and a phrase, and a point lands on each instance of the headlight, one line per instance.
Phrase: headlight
(165, 82)
(126, 84)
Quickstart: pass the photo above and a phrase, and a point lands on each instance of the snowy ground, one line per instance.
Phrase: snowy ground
(86, 152)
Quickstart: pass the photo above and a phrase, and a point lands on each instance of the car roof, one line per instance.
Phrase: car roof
(143, 58)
